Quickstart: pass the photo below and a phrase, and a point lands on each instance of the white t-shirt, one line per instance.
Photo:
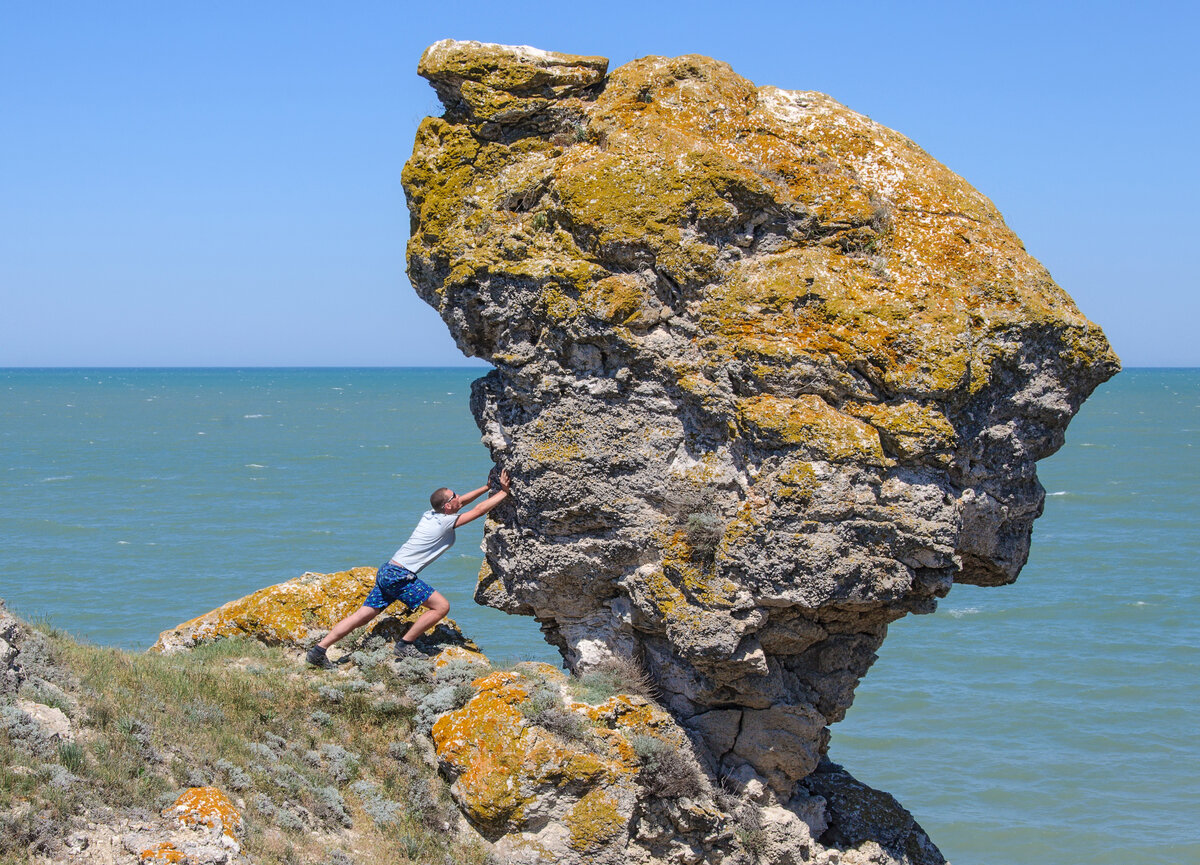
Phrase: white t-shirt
(433, 535)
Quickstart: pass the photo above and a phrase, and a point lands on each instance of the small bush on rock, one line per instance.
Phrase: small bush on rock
(666, 770)
(614, 675)
(564, 723)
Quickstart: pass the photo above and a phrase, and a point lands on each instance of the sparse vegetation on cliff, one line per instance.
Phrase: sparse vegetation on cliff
(322, 767)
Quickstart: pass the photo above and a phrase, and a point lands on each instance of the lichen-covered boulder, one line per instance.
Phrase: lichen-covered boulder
(550, 782)
(202, 827)
(767, 376)
(207, 806)
(298, 613)
(514, 778)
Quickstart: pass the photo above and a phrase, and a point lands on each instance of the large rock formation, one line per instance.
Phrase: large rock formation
(767, 376)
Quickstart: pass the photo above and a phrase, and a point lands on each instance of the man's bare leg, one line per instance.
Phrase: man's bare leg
(436, 609)
(355, 620)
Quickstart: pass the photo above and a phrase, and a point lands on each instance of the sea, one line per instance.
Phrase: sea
(1052, 721)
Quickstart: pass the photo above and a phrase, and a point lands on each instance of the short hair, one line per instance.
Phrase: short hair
(439, 497)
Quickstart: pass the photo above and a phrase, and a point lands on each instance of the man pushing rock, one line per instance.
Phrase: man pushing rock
(397, 580)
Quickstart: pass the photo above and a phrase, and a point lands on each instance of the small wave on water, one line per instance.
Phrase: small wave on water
(963, 611)
(254, 415)
(56, 479)
(254, 466)
(1059, 493)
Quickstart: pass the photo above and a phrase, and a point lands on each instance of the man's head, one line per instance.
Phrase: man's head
(444, 501)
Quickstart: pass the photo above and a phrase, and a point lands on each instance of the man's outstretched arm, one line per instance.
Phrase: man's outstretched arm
(472, 495)
(483, 507)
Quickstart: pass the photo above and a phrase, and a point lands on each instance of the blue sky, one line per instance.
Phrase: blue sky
(218, 183)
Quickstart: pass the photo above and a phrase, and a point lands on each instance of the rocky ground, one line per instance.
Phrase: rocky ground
(234, 751)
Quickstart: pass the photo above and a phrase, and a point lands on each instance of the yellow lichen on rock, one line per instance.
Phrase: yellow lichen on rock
(695, 583)
(207, 806)
(631, 715)
(815, 428)
(797, 481)
(561, 443)
(594, 821)
(481, 746)
(291, 613)
(283, 613)
(668, 599)
(911, 429)
(458, 653)
(616, 299)
(501, 763)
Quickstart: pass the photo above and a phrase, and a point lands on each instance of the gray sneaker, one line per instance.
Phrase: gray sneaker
(410, 650)
(316, 656)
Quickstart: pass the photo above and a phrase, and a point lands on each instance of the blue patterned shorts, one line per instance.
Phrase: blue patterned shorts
(394, 583)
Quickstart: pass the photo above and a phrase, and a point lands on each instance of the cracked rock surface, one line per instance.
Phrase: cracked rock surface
(767, 376)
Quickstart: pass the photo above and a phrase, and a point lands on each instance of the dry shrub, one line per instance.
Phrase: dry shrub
(668, 771)
(616, 674)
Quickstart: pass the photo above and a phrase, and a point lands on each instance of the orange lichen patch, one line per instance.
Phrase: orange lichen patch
(747, 527)
(630, 715)
(207, 806)
(910, 429)
(623, 716)
(288, 613)
(501, 762)
(481, 744)
(284, 613)
(506, 687)
(697, 586)
(594, 821)
(548, 761)
(542, 670)
(817, 429)
(164, 852)
(617, 299)
(458, 653)
(796, 481)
